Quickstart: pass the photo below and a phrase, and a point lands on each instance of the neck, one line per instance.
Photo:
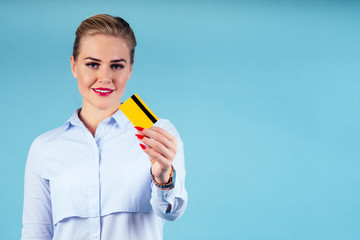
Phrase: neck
(91, 116)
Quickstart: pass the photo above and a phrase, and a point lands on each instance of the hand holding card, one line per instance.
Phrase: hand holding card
(160, 145)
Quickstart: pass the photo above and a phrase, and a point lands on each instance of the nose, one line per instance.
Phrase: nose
(104, 80)
(104, 76)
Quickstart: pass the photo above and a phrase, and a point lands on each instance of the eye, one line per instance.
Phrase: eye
(92, 65)
(117, 66)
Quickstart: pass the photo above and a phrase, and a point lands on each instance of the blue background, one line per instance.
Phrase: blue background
(265, 95)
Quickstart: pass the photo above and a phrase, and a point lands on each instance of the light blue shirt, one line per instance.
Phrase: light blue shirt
(79, 186)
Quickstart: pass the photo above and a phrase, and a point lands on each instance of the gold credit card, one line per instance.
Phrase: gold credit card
(137, 112)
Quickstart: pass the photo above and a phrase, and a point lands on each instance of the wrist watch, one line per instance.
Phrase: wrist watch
(165, 186)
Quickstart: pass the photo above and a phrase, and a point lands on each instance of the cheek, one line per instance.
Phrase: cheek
(84, 83)
(81, 86)
(121, 83)
(84, 80)
(121, 87)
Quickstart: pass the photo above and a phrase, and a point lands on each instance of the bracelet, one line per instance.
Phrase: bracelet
(165, 186)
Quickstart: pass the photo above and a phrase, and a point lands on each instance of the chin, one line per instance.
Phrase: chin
(107, 107)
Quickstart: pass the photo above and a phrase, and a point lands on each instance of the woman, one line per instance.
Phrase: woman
(89, 178)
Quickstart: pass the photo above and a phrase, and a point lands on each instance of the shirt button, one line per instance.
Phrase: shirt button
(94, 236)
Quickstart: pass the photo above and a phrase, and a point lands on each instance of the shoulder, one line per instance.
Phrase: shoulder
(42, 145)
(61, 133)
(49, 136)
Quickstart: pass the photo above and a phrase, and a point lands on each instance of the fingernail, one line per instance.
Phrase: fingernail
(142, 146)
(139, 136)
(139, 128)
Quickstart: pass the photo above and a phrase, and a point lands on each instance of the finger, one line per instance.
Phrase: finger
(158, 136)
(158, 130)
(155, 156)
(164, 133)
(159, 147)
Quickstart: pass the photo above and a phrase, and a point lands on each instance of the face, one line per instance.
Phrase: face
(102, 69)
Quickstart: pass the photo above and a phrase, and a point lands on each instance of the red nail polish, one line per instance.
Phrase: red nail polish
(139, 128)
(142, 146)
(139, 136)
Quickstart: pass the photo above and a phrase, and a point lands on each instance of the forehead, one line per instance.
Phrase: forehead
(103, 47)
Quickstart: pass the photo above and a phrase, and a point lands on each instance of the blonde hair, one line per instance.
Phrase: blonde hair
(107, 25)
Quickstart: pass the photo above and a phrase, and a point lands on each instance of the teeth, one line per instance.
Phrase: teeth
(103, 91)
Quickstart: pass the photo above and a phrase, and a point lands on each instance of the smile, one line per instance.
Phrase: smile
(102, 91)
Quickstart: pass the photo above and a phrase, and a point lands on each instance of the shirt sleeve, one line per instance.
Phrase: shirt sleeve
(37, 214)
(171, 204)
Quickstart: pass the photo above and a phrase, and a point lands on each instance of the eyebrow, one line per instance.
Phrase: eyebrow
(98, 60)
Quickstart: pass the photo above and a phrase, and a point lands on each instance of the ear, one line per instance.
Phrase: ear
(73, 66)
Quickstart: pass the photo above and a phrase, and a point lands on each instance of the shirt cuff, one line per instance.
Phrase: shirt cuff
(164, 198)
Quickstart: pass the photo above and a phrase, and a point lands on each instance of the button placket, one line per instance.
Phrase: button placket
(94, 228)
(94, 189)
(94, 182)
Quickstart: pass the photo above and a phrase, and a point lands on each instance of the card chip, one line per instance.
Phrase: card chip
(137, 112)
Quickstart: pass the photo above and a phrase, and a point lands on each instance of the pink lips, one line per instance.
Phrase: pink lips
(103, 91)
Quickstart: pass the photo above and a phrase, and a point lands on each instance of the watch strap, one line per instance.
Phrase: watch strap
(166, 186)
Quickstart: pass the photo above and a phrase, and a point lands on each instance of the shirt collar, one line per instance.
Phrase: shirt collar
(118, 116)
(121, 118)
(74, 119)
